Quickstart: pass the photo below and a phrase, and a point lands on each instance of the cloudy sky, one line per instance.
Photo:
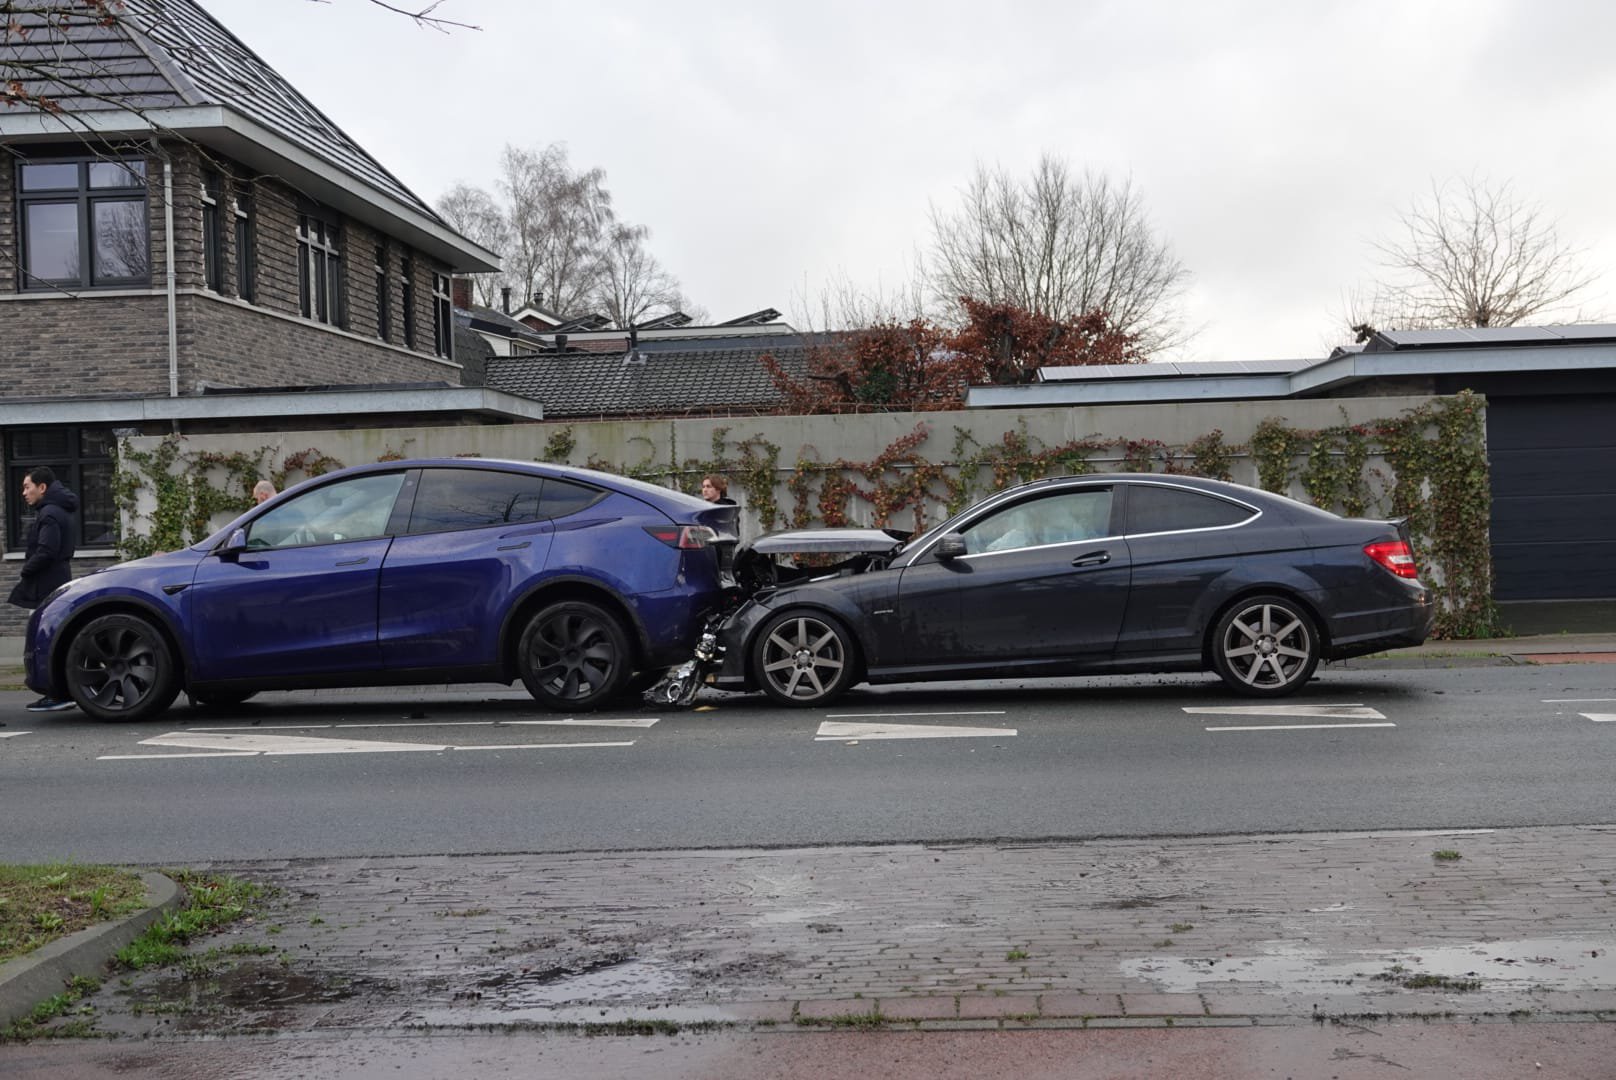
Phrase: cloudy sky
(773, 147)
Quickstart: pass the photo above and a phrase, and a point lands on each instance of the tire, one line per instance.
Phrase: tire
(804, 657)
(573, 656)
(221, 699)
(1266, 646)
(119, 667)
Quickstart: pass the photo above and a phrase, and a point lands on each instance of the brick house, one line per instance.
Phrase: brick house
(190, 245)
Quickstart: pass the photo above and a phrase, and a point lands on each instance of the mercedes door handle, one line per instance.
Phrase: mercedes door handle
(1093, 558)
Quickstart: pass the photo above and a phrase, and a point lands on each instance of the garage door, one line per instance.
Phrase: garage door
(1554, 497)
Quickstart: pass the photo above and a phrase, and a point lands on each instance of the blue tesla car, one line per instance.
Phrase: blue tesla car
(579, 583)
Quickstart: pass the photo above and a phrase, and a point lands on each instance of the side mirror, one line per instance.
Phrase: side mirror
(950, 546)
(233, 547)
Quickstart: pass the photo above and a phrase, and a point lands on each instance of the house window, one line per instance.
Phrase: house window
(407, 308)
(442, 317)
(83, 222)
(212, 238)
(383, 308)
(246, 243)
(81, 458)
(319, 270)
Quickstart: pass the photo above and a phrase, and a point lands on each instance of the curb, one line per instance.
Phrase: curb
(43, 973)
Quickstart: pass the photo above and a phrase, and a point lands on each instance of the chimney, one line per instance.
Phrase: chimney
(561, 342)
(505, 298)
(462, 292)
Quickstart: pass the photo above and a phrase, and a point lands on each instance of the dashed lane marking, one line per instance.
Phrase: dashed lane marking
(629, 722)
(1601, 717)
(831, 731)
(225, 744)
(13, 734)
(880, 715)
(1298, 727)
(1575, 700)
(1354, 711)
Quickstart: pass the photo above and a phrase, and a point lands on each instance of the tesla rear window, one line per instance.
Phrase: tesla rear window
(471, 498)
(1168, 509)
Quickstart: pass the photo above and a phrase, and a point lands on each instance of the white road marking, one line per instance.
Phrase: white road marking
(1338, 712)
(283, 744)
(13, 734)
(878, 715)
(1601, 717)
(422, 722)
(1297, 727)
(834, 732)
(1574, 700)
(154, 757)
(261, 727)
(544, 746)
(630, 721)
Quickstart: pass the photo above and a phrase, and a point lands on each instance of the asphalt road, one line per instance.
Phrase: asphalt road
(467, 771)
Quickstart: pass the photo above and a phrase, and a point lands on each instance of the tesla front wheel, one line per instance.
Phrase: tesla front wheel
(119, 667)
(803, 658)
(573, 656)
(1266, 646)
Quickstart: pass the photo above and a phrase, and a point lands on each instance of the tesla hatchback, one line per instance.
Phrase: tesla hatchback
(577, 582)
(1088, 574)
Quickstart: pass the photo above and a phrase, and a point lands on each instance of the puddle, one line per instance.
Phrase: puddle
(1547, 963)
(608, 981)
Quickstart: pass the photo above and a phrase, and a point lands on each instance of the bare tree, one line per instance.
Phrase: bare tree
(632, 284)
(474, 214)
(1061, 246)
(559, 221)
(1474, 254)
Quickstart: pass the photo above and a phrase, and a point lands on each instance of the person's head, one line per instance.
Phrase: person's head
(263, 491)
(714, 487)
(35, 482)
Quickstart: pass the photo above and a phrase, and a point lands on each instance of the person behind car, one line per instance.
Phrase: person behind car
(263, 491)
(715, 489)
(48, 550)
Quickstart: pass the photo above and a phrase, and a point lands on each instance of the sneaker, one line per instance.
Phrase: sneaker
(46, 704)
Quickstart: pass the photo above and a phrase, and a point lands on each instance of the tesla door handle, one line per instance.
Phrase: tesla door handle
(1093, 558)
(361, 561)
(516, 547)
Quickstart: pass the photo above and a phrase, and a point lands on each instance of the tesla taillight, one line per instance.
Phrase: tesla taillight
(684, 537)
(1395, 556)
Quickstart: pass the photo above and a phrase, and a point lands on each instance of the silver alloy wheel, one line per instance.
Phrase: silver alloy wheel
(1268, 646)
(803, 659)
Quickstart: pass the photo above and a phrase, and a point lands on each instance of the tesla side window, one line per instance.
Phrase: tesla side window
(451, 499)
(1065, 518)
(1153, 509)
(355, 509)
(562, 497)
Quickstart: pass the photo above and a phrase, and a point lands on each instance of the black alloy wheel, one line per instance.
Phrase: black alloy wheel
(573, 656)
(803, 657)
(119, 667)
(1265, 646)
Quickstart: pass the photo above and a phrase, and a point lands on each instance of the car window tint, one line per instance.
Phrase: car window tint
(451, 499)
(1063, 518)
(1153, 509)
(563, 497)
(355, 509)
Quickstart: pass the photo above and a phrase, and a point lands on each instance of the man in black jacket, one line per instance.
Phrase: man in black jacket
(48, 561)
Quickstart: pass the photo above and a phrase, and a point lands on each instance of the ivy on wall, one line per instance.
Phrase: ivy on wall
(1435, 475)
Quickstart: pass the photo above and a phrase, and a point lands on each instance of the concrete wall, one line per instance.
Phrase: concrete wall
(669, 444)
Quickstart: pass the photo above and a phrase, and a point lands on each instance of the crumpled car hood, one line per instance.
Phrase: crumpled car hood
(822, 541)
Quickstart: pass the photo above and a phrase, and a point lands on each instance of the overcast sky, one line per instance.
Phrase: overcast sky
(771, 147)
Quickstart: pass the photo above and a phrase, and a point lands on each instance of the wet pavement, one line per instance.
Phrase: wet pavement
(1203, 931)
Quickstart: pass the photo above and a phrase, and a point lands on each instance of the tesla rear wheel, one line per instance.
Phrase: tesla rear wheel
(119, 667)
(1265, 646)
(573, 656)
(803, 658)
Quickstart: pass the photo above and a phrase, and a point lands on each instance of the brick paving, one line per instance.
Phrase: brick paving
(1205, 930)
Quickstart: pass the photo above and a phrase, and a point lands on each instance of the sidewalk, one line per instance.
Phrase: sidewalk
(1194, 932)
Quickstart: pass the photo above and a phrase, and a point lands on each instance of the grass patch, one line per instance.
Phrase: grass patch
(855, 1021)
(212, 902)
(39, 904)
(41, 1022)
(1446, 855)
(1181, 927)
(1015, 954)
(1401, 976)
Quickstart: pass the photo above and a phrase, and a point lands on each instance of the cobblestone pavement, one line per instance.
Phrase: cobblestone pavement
(1204, 931)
